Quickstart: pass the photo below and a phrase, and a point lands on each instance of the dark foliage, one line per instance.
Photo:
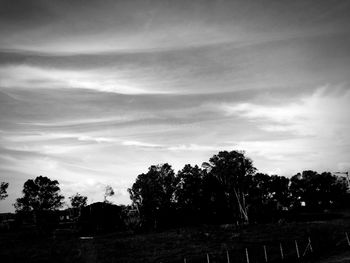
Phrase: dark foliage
(40, 194)
(78, 200)
(153, 195)
(3, 190)
(225, 190)
(228, 190)
(317, 191)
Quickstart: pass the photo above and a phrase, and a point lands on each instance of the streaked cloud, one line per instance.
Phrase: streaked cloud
(323, 114)
(94, 93)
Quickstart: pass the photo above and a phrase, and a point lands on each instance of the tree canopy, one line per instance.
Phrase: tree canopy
(233, 170)
(40, 194)
(3, 190)
(317, 191)
(227, 189)
(189, 190)
(78, 200)
(153, 192)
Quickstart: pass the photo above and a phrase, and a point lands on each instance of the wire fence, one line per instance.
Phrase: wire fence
(296, 250)
(256, 244)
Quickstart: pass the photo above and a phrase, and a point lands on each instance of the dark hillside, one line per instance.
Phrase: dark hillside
(328, 238)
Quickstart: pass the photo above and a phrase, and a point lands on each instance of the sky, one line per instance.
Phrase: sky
(92, 93)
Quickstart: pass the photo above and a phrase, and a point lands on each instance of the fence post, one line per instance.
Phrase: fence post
(227, 256)
(310, 245)
(265, 253)
(246, 255)
(208, 260)
(297, 248)
(281, 250)
(347, 238)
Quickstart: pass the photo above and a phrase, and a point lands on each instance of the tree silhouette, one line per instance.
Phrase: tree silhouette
(153, 193)
(78, 201)
(232, 169)
(318, 191)
(3, 190)
(227, 188)
(279, 190)
(215, 206)
(267, 196)
(40, 194)
(189, 192)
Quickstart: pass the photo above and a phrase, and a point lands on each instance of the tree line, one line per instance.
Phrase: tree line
(226, 189)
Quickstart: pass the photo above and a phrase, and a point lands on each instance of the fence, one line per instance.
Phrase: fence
(280, 251)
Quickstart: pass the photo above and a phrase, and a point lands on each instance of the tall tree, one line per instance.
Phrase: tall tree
(258, 188)
(153, 193)
(318, 191)
(215, 206)
(232, 170)
(3, 190)
(78, 200)
(279, 190)
(297, 189)
(258, 196)
(189, 192)
(40, 194)
(267, 196)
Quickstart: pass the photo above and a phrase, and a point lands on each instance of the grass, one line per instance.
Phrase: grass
(192, 243)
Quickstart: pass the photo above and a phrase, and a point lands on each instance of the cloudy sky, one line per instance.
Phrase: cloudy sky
(94, 92)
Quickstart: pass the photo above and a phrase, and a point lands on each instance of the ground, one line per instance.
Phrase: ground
(328, 241)
(339, 258)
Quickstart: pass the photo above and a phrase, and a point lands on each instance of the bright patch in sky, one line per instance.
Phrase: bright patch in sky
(92, 93)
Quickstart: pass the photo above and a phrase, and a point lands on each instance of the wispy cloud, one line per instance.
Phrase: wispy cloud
(137, 25)
(324, 113)
(141, 144)
(93, 94)
(25, 76)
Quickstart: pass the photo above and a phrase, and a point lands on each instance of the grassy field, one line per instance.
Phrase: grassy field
(193, 243)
